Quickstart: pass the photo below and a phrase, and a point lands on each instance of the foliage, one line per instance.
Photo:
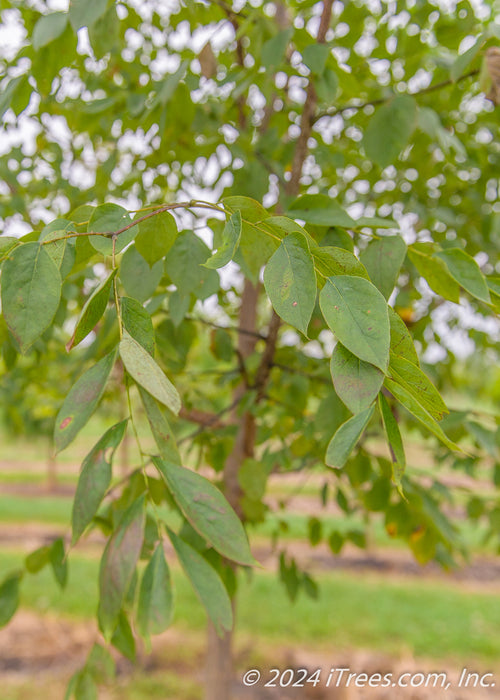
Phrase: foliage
(344, 148)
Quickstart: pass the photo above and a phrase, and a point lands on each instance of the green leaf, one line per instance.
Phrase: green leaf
(290, 282)
(118, 565)
(249, 208)
(389, 129)
(327, 86)
(347, 435)
(273, 50)
(35, 561)
(315, 57)
(156, 236)
(82, 401)
(206, 582)
(104, 35)
(462, 61)
(100, 664)
(7, 243)
(144, 370)
(356, 382)
(139, 280)
(411, 377)
(138, 324)
(92, 311)
(321, 210)
(160, 427)
(375, 222)
(331, 261)
(184, 266)
(9, 597)
(401, 340)
(255, 249)
(31, 289)
(466, 272)
(230, 241)
(123, 637)
(85, 687)
(155, 606)
(58, 562)
(435, 273)
(383, 259)
(394, 440)
(94, 479)
(48, 28)
(207, 510)
(413, 406)
(357, 313)
(83, 13)
(110, 218)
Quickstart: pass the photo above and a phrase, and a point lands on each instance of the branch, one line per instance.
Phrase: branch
(333, 111)
(236, 329)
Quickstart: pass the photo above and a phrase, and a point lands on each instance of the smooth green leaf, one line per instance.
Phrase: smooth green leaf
(58, 561)
(35, 561)
(206, 582)
(401, 340)
(160, 427)
(92, 311)
(156, 236)
(104, 35)
(255, 249)
(347, 435)
(389, 129)
(207, 510)
(465, 270)
(9, 597)
(85, 687)
(184, 266)
(83, 13)
(100, 664)
(463, 61)
(249, 208)
(356, 382)
(144, 370)
(94, 479)
(435, 273)
(48, 28)
(123, 637)
(273, 50)
(230, 240)
(357, 313)
(315, 57)
(327, 86)
(110, 218)
(331, 261)
(139, 280)
(138, 324)
(321, 210)
(412, 405)
(394, 440)
(383, 259)
(411, 377)
(155, 605)
(375, 222)
(7, 243)
(82, 401)
(118, 565)
(290, 281)
(31, 289)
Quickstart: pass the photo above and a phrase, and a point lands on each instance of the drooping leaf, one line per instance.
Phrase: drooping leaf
(58, 561)
(357, 313)
(184, 266)
(412, 405)
(465, 270)
(139, 280)
(82, 401)
(123, 637)
(83, 13)
(230, 240)
(155, 605)
(315, 57)
(84, 687)
(100, 664)
(273, 50)
(206, 582)
(35, 561)
(104, 35)
(31, 289)
(389, 129)
(401, 340)
(9, 597)
(160, 427)
(156, 236)
(411, 377)
(290, 281)
(321, 210)
(138, 324)
(331, 261)
(347, 435)
(383, 259)
(462, 61)
(207, 510)
(118, 565)
(95, 478)
(394, 440)
(110, 218)
(435, 273)
(356, 382)
(48, 28)
(92, 311)
(144, 370)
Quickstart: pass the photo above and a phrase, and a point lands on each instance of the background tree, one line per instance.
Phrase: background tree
(153, 129)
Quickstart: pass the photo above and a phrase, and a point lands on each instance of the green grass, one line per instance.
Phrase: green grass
(44, 509)
(426, 618)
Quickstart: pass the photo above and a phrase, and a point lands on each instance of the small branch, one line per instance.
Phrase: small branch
(236, 329)
(303, 373)
(382, 100)
(213, 420)
(266, 362)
